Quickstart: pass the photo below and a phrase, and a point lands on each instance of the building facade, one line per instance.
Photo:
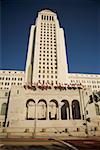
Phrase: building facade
(45, 99)
(10, 77)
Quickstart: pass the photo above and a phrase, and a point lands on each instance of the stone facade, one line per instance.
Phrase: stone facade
(50, 111)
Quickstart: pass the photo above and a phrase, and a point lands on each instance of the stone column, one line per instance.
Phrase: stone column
(81, 96)
(70, 106)
(59, 110)
(47, 111)
(67, 110)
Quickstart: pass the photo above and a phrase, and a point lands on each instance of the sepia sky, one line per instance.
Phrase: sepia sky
(79, 18)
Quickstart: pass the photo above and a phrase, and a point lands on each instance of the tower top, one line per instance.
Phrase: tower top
(47, 11)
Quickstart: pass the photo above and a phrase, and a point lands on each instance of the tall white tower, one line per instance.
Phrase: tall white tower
(46, 58)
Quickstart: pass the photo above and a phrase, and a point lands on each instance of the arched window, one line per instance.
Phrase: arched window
(42, 110)
(3, 109)
(50, 17)
(31, 110)
(53, 110)
(76, 109)
(42, 17)
(65, 110)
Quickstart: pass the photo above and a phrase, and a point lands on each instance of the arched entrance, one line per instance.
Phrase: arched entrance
(76, 109)
(53, 110)
(65, 110)
(42, 110)
(30, 109)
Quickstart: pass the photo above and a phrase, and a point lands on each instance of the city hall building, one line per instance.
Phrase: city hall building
(46, 100)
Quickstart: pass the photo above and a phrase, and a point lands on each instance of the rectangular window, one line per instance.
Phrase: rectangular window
(51, 76)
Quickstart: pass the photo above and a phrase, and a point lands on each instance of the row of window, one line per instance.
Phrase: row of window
(11, 72)
(47, 42)
(84, 81)
(48, 55)
(46, 45)
(47, 48)
(46, 28)
(49, 71)
(7, 78)
(94, 86)
(54, 43)
(4, 88)
(48, 32)
(48, 24)
(48, 60)
(48, 38)
(7, 83)
(51, 47)
(48, 52)
(48, 67)
(47, 81)
(48, 35)
(48, 63)
(46, 17)
(48, 76)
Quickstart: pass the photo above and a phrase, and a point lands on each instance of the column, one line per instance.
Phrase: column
(47, 111)
(70, 106)
(59, 111)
